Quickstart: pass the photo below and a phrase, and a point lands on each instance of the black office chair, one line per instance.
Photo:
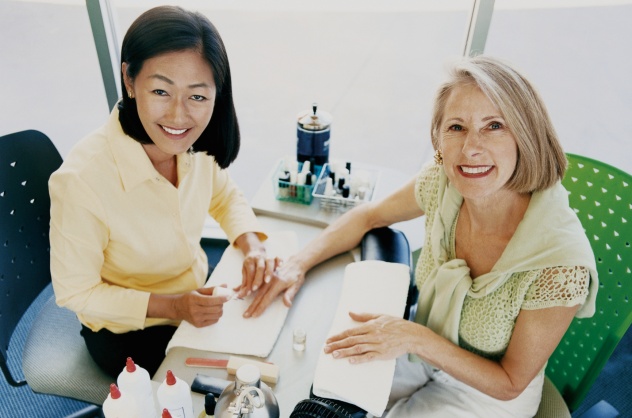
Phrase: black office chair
(391, 245)
(55, 359)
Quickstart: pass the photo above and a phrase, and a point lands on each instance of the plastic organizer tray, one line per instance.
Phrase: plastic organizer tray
(293, 192)
(336, 202)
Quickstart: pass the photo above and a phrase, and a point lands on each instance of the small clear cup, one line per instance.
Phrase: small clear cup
(299, 337)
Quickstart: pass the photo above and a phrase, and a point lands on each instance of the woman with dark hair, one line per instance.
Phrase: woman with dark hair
(129, 203)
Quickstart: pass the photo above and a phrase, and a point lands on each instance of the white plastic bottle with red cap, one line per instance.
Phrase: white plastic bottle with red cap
(119, 405)
(174, 394)
(135, 383)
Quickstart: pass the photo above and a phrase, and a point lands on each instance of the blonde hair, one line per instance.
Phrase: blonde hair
(541, 160)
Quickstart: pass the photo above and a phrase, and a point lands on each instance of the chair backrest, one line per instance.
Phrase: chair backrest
(601, 196)
(27, 159)
(388, 244)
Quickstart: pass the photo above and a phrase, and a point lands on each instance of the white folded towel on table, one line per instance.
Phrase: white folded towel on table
(369, 287)
(235, 334)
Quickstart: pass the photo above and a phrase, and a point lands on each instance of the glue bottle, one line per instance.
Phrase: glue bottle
(119, 405)
(174, 394)
(134, 381)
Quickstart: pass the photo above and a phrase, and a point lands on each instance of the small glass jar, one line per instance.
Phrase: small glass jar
(299, 338)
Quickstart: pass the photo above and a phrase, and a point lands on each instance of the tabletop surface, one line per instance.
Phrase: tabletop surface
(315, 305)
(313, 310)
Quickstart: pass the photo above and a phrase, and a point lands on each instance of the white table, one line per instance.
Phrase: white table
(314, 308)
(315, 305)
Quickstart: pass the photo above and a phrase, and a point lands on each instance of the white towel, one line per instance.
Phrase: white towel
(235, 334)
(369, 287)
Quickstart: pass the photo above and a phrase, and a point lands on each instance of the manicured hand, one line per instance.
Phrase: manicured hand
(256, 271)
(199, 307)
(378, 337)
(287, 279)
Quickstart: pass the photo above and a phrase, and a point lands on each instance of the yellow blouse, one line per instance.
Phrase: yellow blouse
(120, 231)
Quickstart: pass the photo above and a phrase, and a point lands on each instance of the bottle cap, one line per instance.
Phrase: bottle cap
(307, 167)
(329, 187)
(345, 190)
(115, 393)
(171, 379)
(209, 404)
(314, 119)
(248, 374)
(285, 176)
(130, 366)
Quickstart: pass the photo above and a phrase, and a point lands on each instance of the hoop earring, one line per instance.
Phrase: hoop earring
(438, 157)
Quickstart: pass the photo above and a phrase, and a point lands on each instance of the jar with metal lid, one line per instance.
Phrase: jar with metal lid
(247, 397)
(313, 131)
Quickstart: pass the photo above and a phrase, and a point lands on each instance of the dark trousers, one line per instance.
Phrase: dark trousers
(146, 347)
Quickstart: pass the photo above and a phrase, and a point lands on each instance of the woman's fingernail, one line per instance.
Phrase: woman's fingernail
(254, 288)
(267, 279)
(336, 354)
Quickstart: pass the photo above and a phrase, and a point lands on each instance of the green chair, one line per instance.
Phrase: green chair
(601, 195)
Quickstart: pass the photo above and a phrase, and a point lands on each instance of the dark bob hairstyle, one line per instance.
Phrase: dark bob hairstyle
(167, 29)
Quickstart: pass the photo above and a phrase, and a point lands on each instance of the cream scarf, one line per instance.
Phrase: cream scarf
(549, 235)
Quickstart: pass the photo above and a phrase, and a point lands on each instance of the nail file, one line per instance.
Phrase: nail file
(269, 371)
(212, 363)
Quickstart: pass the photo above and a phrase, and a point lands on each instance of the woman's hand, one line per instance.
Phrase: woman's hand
(380, 337)
(257, 270)
(288, 277)
(199, 307)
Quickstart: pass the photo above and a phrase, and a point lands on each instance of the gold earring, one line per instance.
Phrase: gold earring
(438, 157)
(130, 94)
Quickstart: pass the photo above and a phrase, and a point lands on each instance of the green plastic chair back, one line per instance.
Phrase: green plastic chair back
(601, 195)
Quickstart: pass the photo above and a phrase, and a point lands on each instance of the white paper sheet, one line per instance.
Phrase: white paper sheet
(369, 287)
(233, 333)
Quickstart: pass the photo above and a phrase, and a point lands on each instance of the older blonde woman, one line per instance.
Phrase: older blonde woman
(505, 264)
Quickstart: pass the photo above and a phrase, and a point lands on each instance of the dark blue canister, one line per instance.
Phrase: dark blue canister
(313, 130)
